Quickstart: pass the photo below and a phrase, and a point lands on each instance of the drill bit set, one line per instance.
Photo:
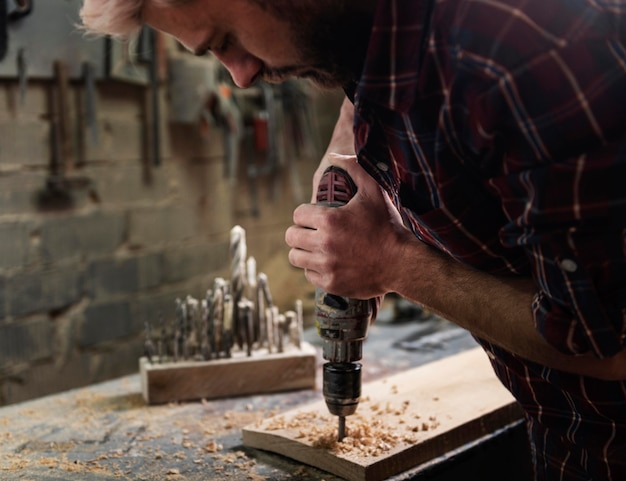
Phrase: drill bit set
(234, 341)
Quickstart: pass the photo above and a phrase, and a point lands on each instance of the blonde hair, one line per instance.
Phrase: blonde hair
(117, 18)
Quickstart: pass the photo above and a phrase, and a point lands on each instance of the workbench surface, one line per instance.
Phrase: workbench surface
(107, 432)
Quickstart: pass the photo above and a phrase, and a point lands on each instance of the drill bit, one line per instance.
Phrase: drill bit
(238, 255)
(251, 295)
(341, 430)
(148, 345)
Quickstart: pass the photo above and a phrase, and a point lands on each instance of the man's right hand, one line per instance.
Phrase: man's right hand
(353, 250)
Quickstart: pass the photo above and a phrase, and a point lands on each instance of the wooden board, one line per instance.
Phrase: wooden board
(412, 417)
(236, 376)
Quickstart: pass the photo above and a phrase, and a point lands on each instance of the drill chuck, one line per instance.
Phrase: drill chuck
(342, 387)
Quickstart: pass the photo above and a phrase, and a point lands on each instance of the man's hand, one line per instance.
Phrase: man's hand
(351, 250)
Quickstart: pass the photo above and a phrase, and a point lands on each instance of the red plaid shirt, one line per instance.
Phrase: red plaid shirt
(499, 128)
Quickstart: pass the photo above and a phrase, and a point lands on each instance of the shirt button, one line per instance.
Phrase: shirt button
(568, 265)
(382, 166)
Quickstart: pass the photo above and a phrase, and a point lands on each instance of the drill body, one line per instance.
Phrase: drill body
(342, 322)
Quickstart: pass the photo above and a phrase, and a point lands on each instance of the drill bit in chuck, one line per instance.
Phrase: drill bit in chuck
(341, 430)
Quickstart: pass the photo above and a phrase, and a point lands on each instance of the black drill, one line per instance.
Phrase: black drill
(342, 322)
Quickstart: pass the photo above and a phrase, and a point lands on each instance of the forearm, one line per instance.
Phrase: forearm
(496, 309)
(342, 139)
(341, 142)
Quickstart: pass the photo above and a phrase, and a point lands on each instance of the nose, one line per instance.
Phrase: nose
(244, 68)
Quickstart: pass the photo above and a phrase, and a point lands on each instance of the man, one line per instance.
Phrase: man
(491, 139)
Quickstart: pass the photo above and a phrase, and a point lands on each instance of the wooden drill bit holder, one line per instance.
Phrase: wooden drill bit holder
(233, 342)
(236, 376)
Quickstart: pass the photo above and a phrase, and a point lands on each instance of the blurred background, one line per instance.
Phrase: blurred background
(123, 167)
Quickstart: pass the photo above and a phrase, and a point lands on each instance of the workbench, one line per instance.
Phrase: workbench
(107, 432)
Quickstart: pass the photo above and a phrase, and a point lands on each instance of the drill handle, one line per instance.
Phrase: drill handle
(336, 187)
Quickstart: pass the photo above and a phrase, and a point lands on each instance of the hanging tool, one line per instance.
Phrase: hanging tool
(22, 9)
(4, 29)
(89, 78)
(64, 121)
(147, 54)
(62, 177)
(342, 322)
(22, 74)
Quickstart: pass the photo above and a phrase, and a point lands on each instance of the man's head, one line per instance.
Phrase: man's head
(324, 40)
(118, 18)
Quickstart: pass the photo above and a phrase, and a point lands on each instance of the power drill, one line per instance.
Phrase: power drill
(342, 322)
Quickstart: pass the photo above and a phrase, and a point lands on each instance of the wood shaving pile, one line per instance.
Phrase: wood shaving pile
(238, 463)
(366, 435)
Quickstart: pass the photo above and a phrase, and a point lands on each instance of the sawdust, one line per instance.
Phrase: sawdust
(239, 463)
(18, 462)
(13, 462)
(63, 464)
(366, 434)
(256, 477)
(195, 437)
(213, 447)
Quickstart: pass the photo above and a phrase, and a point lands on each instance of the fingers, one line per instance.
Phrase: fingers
(306, 216)
(305, 261)
(302, 247)
(301, 237)
(309, 229)
(303, 253)
(324, 242)
(308, 241)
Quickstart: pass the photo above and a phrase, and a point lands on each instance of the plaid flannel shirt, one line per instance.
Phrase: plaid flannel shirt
(499, 129)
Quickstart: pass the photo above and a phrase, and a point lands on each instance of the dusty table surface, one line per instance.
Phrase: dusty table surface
(107, 432)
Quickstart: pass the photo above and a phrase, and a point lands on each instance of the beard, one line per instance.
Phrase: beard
(330, 37)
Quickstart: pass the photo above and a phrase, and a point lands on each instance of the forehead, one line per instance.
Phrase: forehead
(185, 20)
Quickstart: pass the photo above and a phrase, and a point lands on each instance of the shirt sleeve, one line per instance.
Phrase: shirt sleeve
(573, 230)
(558, 125)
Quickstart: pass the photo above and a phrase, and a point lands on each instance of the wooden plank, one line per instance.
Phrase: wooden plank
(402, 421)
(236, 376)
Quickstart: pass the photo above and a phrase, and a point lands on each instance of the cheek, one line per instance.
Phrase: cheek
(272, 41)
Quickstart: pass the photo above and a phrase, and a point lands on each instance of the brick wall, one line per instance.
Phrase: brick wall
(78, 282)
